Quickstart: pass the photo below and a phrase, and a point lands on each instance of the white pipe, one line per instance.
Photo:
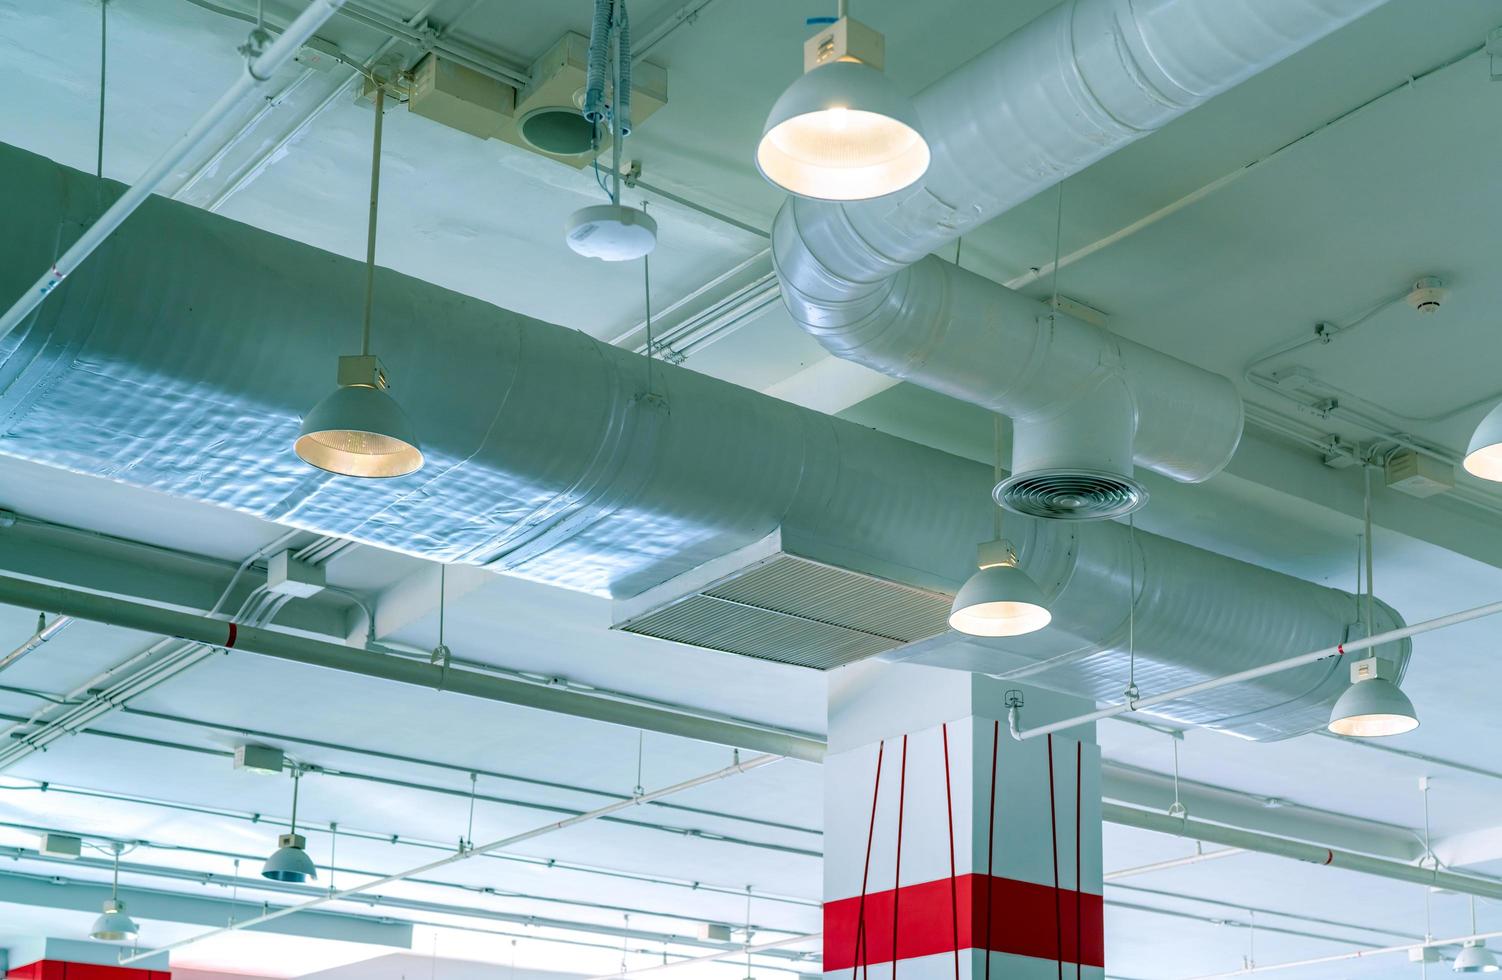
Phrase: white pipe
(1171, 863)
(1083, 80)
(217, 634)
(1330, 857)
(734, 769)
(1355, 954)
(47, 632)
(712, 957)
(256, 74)
(1340, 649)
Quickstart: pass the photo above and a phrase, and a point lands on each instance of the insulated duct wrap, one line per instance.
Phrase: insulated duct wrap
(1083, 80)
(181, 356)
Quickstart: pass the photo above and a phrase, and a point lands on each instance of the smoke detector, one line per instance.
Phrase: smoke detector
(612, 232)
(1428, 294)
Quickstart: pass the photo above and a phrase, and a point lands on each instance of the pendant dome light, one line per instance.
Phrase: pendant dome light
(1373, 706)
(359, 429)
(290, 861)
(113, 925)
(843, 131)
(1474, 957)
(1483, 457)
(1001, 599)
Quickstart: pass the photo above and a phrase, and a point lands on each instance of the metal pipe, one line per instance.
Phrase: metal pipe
(317, 653)
(1250, 840)
(1354, 954)
(1340, 649)
(45, 632)
(1171, 863)
(257, 72)
(734, 769)
(712, 957)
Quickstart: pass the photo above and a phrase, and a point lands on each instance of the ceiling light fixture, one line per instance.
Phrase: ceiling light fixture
(290, 861)
(113, 925)
(1483, 457)
(1474, 957)
(359, 429)
(1373, 706)
(843, 131)
(1001, 599)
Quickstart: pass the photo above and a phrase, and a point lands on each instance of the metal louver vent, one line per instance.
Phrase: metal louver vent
(796, 611)
(1070, 495)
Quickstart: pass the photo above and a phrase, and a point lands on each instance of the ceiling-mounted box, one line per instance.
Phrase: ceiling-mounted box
(773, 600)
(1419, 475)
(547, 118)
(460, 98)
(61, 846)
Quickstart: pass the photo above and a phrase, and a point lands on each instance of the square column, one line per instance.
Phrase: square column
(951, 849)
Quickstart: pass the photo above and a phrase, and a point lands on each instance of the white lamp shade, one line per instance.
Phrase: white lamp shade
(1483, 457)
(842, 132)
(114, 926)
(1373, 708)
(1475, 958)
(289, 863)
(359, 430)
(1001, 600)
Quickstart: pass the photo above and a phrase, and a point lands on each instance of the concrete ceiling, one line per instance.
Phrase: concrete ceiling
(1308, 222)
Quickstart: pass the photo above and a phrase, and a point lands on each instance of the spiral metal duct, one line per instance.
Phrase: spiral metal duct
(1083, 80)
(181, 357)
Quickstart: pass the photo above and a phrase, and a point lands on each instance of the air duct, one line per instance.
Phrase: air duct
(1083, 80)
(180, 357)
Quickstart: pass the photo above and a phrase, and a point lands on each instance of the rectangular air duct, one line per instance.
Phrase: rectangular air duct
(767, 602)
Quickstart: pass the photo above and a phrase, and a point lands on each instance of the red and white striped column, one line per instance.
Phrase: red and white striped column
(952, 850)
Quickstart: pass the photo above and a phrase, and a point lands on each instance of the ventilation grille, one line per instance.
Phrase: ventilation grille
(1071, 495)
(795, 611)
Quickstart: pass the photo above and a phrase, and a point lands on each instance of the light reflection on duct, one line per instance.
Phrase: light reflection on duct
(180, 358)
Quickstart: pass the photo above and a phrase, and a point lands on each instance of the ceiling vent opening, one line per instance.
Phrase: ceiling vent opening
(1070, 494)
(768, 603)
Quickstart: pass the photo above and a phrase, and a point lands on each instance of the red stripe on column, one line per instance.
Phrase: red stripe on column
(1023, 922)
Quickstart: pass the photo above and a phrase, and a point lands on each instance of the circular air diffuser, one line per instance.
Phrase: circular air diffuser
(559, 130)
(1070, 495)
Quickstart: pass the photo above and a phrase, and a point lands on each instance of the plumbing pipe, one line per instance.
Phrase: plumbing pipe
(1355, 954)
(317, 653)
(420, 844)
(257, 72)
(1340, 649)
(734, 769)
(42, 635)
(1171, 863)
(1261, 843)
(741, 950)
(1081, 81)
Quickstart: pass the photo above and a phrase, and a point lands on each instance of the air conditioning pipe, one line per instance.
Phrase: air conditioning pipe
(180, 359)
(1083, 80)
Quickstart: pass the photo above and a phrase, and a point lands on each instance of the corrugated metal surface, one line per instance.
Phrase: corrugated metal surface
(795, 611)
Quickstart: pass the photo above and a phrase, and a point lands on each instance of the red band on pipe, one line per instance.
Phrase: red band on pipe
(1340, 649)
(229, 644)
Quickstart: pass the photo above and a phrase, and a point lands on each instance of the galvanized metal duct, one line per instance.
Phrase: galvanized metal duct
(181, 357)
(1078, 83)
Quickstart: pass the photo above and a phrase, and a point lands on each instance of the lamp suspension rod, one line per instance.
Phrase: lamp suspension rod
(1340, 649)
(375, 204)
